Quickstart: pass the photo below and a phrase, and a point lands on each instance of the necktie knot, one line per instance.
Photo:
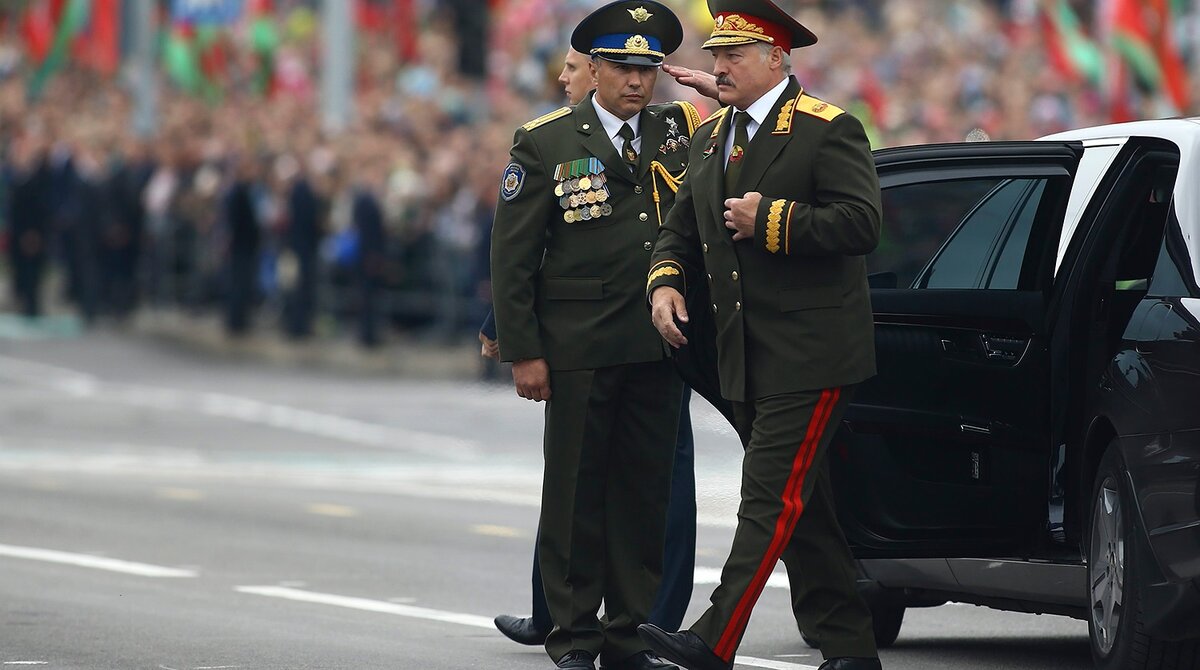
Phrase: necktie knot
(629, 153)
(741, 120)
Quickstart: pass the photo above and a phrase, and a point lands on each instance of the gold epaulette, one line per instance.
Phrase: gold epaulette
(543, 120)
(692, 114)
(818, 108)
(717, 115)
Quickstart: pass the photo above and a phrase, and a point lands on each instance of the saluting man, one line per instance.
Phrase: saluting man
(581, 204)
(780, 205)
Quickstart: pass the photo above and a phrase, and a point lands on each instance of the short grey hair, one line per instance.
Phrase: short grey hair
(787, 56)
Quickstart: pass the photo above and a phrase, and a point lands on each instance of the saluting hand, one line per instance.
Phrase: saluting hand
(666, 303)
(740, 214)
(705, 83)
(532, 379)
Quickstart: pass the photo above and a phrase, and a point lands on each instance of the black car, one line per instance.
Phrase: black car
(1032, 439)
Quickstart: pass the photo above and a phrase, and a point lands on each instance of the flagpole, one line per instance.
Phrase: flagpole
(145, 84)
(337, 72)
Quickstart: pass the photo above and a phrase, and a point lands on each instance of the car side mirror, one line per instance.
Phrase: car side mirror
(882, 280)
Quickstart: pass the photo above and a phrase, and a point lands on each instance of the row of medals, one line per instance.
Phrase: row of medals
(584, 198)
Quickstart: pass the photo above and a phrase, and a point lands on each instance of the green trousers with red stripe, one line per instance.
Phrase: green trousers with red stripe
(787, 513)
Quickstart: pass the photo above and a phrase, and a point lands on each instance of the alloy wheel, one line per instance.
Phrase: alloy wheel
(1106, 558)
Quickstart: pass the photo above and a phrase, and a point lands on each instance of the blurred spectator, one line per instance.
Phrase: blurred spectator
(240, 193)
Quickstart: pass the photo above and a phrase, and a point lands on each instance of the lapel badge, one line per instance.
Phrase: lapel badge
(709, 151)
(736, 155)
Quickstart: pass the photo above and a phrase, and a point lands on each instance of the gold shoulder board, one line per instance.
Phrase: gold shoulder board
(818, 108)
(543, 120)
(693, 116)
(720, 113)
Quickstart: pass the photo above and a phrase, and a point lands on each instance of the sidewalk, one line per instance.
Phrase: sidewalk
(401, 355)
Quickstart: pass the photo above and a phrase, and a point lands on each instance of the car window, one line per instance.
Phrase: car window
(1168, 281)
(917, 220)
(961, 234)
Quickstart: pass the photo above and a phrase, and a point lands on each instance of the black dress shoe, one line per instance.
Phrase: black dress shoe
(577, 660)
(685, 648)
(521, 629)
(643, 660)
(851, 663)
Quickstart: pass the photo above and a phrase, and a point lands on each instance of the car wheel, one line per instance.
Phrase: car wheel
(1115, 573)
(886, 618)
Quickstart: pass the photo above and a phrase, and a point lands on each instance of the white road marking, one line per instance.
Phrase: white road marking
(95, 562)
(249, 410)
(26, 663)
(329, 509)
(472, 620)
(771, 665)
(711, 576)
(497, 531)
(368, 605)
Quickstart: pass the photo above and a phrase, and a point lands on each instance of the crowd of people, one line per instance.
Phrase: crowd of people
(247, 205)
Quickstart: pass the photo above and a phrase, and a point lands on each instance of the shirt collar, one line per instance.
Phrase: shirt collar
(612, 124)
(760, 109)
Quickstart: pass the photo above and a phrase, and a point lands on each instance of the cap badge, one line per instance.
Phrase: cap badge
(638, 43)
(640, 14)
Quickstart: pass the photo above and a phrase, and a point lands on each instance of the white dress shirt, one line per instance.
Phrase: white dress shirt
(759, 110)
(612, 126)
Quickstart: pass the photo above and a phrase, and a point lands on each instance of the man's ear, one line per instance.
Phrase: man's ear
(776, 57)
(594, 70)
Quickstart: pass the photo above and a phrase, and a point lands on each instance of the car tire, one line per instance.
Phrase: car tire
(1115, 572)
(886, 618)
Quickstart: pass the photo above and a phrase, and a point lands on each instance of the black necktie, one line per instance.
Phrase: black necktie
(627, 151)
(737, 155)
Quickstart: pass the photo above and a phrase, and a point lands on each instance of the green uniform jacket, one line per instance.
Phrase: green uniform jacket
(792, 307)
(573, 292)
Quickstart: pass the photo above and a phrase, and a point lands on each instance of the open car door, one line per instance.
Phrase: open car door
(945, 453)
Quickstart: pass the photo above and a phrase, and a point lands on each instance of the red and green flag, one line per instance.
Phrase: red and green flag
(1070, 49)
(72, 18)
(1142, 35)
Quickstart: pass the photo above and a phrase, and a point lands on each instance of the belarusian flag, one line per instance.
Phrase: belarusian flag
(1141, 33)
(1070, 49)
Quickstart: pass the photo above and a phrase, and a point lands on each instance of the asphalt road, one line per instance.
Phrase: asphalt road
(163, 510)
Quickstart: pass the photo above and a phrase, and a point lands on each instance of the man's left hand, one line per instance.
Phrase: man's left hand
(740, 214)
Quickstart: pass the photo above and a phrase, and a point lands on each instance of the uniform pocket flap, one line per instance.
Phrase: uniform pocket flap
(821, 297)
(563, 288)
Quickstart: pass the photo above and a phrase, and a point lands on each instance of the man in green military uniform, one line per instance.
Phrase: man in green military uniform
(580, 206)
(780, 204)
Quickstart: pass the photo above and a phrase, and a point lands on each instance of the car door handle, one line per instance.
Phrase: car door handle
(1003, 349)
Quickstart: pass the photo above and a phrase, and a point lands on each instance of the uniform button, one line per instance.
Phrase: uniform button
(734, 275)
(737, 306)
(647, 246)
(706, 247)
(637, 189)
(710, 279)
(642, 216)
(714, 308)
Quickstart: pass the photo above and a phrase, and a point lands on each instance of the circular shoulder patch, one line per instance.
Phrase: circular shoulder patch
(512, 181)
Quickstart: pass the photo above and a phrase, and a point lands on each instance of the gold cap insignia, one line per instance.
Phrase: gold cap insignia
(637, 42)
(640, 14)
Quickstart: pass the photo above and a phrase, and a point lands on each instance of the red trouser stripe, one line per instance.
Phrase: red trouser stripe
(793, 507)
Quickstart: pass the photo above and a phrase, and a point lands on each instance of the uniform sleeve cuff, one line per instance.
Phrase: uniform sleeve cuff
(666, 273)
(770, 223)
